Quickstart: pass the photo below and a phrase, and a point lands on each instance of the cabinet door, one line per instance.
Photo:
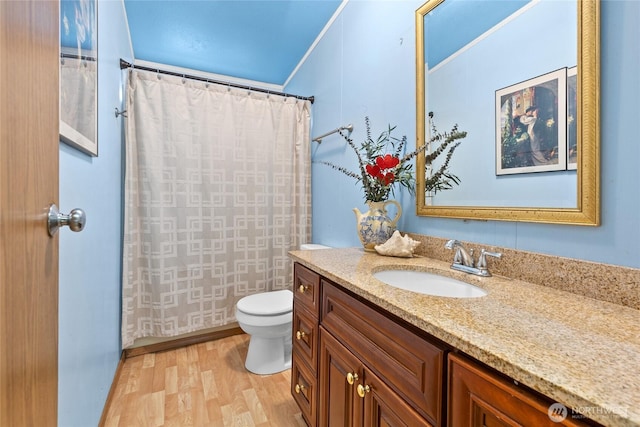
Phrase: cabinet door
(305, 335)
(303, 389)
(480, 397)
(339, 374)
(407, 362)
(384, 408)
(306, 287)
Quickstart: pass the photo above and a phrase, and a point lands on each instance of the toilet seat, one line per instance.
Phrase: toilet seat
(267, 303)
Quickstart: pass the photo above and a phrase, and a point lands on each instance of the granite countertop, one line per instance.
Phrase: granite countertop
(579, 351)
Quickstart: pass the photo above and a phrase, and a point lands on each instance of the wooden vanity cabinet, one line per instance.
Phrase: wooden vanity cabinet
(397, 374)
(304, 352)
(351, 395)
(479, 397)
(402, 357)
(338, 340)
(356, 365)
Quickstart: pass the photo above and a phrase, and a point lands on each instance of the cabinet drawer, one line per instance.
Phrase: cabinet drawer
(305, 336)
(407, 362)
(304, 389)
(479, 397)
(306, 287)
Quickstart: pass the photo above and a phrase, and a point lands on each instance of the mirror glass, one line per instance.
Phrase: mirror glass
(79, 74)
(510, 75)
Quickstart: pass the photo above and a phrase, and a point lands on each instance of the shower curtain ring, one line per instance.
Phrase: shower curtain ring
(122, 113)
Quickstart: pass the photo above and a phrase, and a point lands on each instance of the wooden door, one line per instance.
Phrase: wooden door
(383, 407)
(29, 147)
(304, 389)
(339, 404)
(479, 397)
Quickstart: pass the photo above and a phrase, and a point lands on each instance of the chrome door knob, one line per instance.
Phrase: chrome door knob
(76, 220)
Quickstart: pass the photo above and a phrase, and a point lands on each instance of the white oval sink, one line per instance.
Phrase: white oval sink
(429, 284)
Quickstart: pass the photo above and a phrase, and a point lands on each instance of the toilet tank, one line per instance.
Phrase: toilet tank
(312, 247)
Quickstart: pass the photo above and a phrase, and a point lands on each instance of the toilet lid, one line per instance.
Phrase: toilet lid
(267, 303)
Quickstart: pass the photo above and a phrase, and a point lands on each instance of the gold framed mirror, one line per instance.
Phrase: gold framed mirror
(583, 175)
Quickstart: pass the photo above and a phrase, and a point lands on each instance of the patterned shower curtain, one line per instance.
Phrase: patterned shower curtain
(78, 106)
(217, 191)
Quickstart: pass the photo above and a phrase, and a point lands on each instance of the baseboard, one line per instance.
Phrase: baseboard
(112, 390)
(182, 342)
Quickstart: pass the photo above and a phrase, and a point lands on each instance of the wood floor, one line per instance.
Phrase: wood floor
(201, 385)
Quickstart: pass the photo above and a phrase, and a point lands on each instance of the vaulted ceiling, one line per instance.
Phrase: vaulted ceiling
(260, 40)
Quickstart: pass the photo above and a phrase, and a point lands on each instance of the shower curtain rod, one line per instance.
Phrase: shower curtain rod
(318, 139)
(124, 64)
(75, 56)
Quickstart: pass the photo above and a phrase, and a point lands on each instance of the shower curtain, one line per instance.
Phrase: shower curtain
(78, 106)
(217, 191)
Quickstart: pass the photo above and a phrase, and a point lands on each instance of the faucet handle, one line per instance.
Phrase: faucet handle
(482, 260)
(457, 257)
(451, 244)
(461, 255)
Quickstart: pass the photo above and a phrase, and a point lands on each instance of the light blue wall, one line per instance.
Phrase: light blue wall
(365, 65)
(89, 307)
(468, 82)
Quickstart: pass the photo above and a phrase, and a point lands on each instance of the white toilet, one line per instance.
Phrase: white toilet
(268, 318)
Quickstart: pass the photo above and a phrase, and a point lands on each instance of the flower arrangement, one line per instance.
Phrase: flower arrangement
(382, 164)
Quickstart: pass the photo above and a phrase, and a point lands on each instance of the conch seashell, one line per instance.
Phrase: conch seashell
(398, 246)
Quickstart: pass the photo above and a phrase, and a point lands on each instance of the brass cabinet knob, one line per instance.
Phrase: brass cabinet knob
(352, 377)
(303, 288)
(299, 388)
(300, 335)
(363, 390)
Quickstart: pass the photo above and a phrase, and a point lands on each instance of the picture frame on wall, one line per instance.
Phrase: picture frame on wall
(572, 118)
(531, 125)
(79, 75)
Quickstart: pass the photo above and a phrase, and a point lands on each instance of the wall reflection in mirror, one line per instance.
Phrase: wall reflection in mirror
(505, 72)
(79, 74)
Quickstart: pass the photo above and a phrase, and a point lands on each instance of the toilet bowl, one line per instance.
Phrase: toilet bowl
(268, 318)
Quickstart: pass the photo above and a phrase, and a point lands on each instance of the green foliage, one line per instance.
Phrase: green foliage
(381, 164)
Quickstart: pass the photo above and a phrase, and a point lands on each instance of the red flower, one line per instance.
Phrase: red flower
(388, 178)
(377, 172)
(373, 170)
(387, 162)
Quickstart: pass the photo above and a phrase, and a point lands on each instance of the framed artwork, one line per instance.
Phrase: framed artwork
(531, 119)
(79, 75)
(572, 118)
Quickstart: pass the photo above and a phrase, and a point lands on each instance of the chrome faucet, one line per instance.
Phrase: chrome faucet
(461, 256)
(463, 260)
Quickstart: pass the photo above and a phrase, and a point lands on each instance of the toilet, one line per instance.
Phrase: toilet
(267, 317)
